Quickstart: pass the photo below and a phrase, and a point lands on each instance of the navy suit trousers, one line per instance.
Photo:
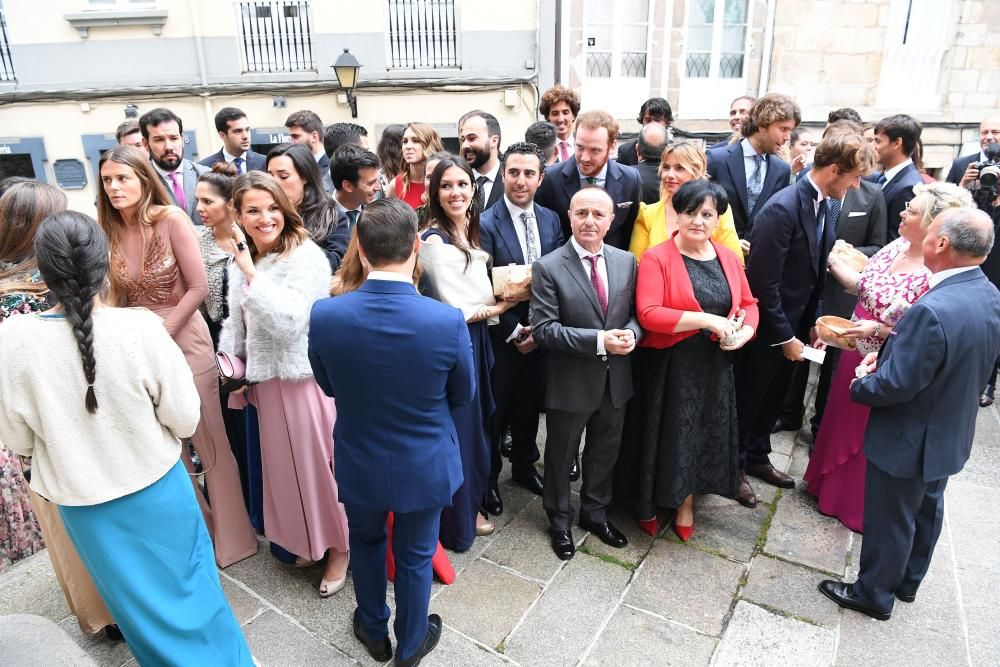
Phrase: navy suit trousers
(414, 541)
(903, 518)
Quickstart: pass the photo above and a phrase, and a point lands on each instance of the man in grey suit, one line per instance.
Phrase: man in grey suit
(163, 136)
(924, 399)
(583, 313)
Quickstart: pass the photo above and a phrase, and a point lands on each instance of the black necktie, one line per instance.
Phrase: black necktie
(481, 191)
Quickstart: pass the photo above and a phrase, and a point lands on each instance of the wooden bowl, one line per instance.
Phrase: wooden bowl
(855, 259)
(831, 331)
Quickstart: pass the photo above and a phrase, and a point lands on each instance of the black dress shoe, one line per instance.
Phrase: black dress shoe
(843, 594)
(786, 424)
(574, 470)
(607, 533)
(562, 544)
(430, 641)
(506, 444)
(771, 475)
(379, 649)
(746, 496)
(528, 478)
(906, 597)
(493, 503)
(985, 400)
(114, 633)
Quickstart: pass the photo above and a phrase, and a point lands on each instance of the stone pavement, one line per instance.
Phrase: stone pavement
(742, 592)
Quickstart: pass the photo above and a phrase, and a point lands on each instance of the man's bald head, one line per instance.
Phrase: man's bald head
(653, 138)
(591, 212)
(958, 237)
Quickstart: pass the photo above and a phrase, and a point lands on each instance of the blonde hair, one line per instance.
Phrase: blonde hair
(689, 155)
(429, 139)
(110, 219)
(294, 232)
(938, 197)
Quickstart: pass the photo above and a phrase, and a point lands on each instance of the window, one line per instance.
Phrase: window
(6, 64)
(422, 34)
(716, 39)
(617, 37)
(276, 36)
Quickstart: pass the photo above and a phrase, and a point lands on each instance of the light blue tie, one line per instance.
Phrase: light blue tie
(755, 184)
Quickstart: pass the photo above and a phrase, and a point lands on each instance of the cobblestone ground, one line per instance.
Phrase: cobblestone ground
(741, 592)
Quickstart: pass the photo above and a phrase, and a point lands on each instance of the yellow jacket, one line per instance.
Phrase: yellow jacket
(650, 230)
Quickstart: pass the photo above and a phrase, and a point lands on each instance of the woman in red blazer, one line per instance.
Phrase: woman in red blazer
(695, 307)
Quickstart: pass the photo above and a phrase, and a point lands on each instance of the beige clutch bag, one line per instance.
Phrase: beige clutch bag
(512, 282)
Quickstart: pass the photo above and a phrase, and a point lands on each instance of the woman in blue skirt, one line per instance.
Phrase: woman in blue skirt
(104, 436)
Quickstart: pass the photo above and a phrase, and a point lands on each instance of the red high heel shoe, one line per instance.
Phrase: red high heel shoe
(683, 532)
(651, 526)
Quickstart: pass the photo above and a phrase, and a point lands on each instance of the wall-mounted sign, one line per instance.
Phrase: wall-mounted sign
(70, 174)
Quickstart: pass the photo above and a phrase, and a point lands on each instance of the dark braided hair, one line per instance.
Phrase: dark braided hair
(72, 254)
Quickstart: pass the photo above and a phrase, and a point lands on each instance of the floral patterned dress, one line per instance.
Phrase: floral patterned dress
(836, 472)
(20, 535)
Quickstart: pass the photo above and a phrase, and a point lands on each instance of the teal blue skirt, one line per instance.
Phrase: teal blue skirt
(152, 560)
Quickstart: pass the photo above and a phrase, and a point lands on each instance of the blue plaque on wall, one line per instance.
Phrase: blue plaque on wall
(70, 174)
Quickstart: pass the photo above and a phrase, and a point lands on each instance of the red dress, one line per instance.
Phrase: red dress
(414, 195)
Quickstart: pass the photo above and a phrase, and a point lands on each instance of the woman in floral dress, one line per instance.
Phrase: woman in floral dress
(893, 279)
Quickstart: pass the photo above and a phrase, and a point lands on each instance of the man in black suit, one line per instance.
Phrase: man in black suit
(516, 230)
(737, 112)
(895, 140)
(789, 244)
(234, 130)
(859, 220)
(583, 314)
(354, 171)
(653, 139)
(596, 132)
(654, 110)
(163, 137)
(750, 170)
(923, 398)
(479, 144)
(305, 127)
(962, 172)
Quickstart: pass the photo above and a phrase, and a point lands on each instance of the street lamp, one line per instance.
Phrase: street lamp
(346, 68)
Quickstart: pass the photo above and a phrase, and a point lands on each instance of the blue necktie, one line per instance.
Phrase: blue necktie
(833, 206)
(755, 184)
(821, 217)
(880, 179)
(239, 165)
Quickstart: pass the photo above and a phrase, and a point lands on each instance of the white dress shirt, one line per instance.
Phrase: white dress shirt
(602, 271)
(891, 173)
(602, 177)
(491, 180)
(390, 275)
(570, 148)
(935, 278)
(749, 152)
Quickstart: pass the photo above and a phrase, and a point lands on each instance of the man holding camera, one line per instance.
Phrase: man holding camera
(965, 170)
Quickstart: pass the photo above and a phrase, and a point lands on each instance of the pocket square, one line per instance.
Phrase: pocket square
(855, 213)
(625, 204)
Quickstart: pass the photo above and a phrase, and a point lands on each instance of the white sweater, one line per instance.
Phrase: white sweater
(274, 340)
(146, 401)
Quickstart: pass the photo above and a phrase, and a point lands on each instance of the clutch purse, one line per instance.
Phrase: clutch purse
(512, 282)
(232, 370)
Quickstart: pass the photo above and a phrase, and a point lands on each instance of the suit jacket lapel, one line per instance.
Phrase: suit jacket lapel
(508, 234)
(571, 180)
(807, 216)
(738, 173)
(617, 279)
(575, 267)
(771, 180)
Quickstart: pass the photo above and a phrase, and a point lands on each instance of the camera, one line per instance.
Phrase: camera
(985, 191)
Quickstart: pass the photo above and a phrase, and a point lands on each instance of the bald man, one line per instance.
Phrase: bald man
(962, 170)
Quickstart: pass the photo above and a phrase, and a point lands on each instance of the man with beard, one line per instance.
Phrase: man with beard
(163, 136)
(479, 144)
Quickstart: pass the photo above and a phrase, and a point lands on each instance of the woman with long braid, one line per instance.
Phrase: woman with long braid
(156, 264)
(102, 420)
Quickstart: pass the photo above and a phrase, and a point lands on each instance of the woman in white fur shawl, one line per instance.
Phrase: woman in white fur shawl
(281, 274)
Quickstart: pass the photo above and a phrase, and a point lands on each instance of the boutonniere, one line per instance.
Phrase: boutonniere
(625, 204)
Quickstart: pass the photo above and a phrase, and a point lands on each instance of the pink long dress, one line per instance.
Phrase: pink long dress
(836, 471)
(165, 274)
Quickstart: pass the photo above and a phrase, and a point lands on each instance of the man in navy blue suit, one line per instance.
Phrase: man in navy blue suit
(234, 130)
(896, 138)
(516, 230)
(923, 395)
(789, 245)
(396, 362)
(596, 132)
(750, 170)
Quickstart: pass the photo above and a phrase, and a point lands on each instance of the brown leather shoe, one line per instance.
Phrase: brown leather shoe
(771, 475)
(746, 496)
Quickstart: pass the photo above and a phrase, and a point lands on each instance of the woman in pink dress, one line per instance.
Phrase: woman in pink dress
(893, 279)
(279, 274)
(156, 264)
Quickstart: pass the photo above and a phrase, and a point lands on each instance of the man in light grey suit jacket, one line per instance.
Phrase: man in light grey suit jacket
(163, 136)
(583, 313)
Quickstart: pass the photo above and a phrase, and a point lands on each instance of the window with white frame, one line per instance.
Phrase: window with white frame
(616, 53)
(716, 39)
(276, 36)
(422, 34)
